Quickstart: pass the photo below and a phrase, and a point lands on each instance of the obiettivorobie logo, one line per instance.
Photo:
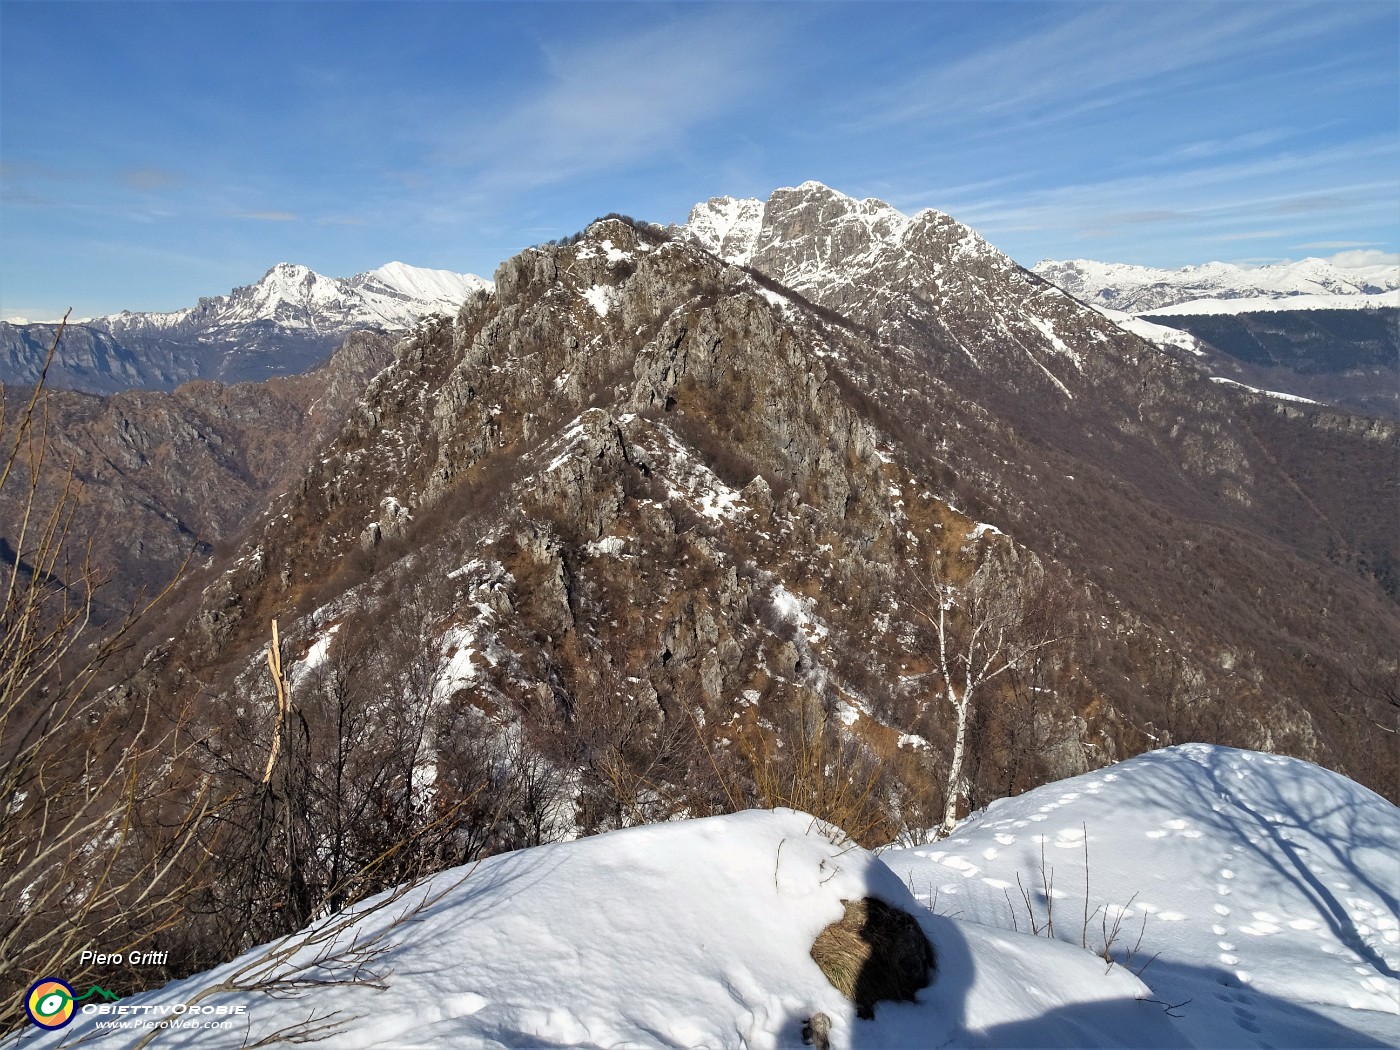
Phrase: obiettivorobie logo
(51, 1003)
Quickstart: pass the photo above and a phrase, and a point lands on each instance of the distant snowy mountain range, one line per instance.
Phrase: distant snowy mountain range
(296, 297)
(1303, 331)
(282, 324)
(1217, 287)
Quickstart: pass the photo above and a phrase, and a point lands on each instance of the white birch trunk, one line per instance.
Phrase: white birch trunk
(954, 792)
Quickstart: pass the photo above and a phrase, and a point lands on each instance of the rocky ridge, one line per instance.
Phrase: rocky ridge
(642, 497)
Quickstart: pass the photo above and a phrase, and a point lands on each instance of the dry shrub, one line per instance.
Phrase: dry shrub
(875, 952)
(806, 762)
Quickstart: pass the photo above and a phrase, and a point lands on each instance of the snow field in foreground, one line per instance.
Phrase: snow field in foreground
(1268, 884)
(1268, 887)
(693, 934)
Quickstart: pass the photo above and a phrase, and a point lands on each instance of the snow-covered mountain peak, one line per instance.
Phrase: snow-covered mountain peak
(727, 226)
(425, 285)
(900, 275)
(811, 236)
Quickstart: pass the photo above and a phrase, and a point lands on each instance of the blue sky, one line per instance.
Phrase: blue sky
(151, 153)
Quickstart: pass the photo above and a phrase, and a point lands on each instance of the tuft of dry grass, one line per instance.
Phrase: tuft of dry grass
(875, 952)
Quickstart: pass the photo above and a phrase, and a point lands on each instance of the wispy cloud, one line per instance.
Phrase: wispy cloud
(150, 179)
(1276, 184)
(1360, 259)
(268, 216)
(1096, 58)
(616, 101)
(1333, 245)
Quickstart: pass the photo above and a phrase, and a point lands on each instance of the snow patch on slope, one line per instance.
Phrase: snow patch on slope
(1268, 886)
(1267, 393)
(1268, 304)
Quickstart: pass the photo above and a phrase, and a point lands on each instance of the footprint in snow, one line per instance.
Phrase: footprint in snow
(1220, 909)
(1005, 840)
(1228, 959)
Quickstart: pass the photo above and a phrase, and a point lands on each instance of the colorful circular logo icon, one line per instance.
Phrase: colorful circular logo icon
(49, 1003)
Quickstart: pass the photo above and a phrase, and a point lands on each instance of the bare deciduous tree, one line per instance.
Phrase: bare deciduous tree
(995, 623)
(94, 837)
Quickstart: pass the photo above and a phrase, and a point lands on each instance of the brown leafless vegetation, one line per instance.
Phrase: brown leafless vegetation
(92, 850)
